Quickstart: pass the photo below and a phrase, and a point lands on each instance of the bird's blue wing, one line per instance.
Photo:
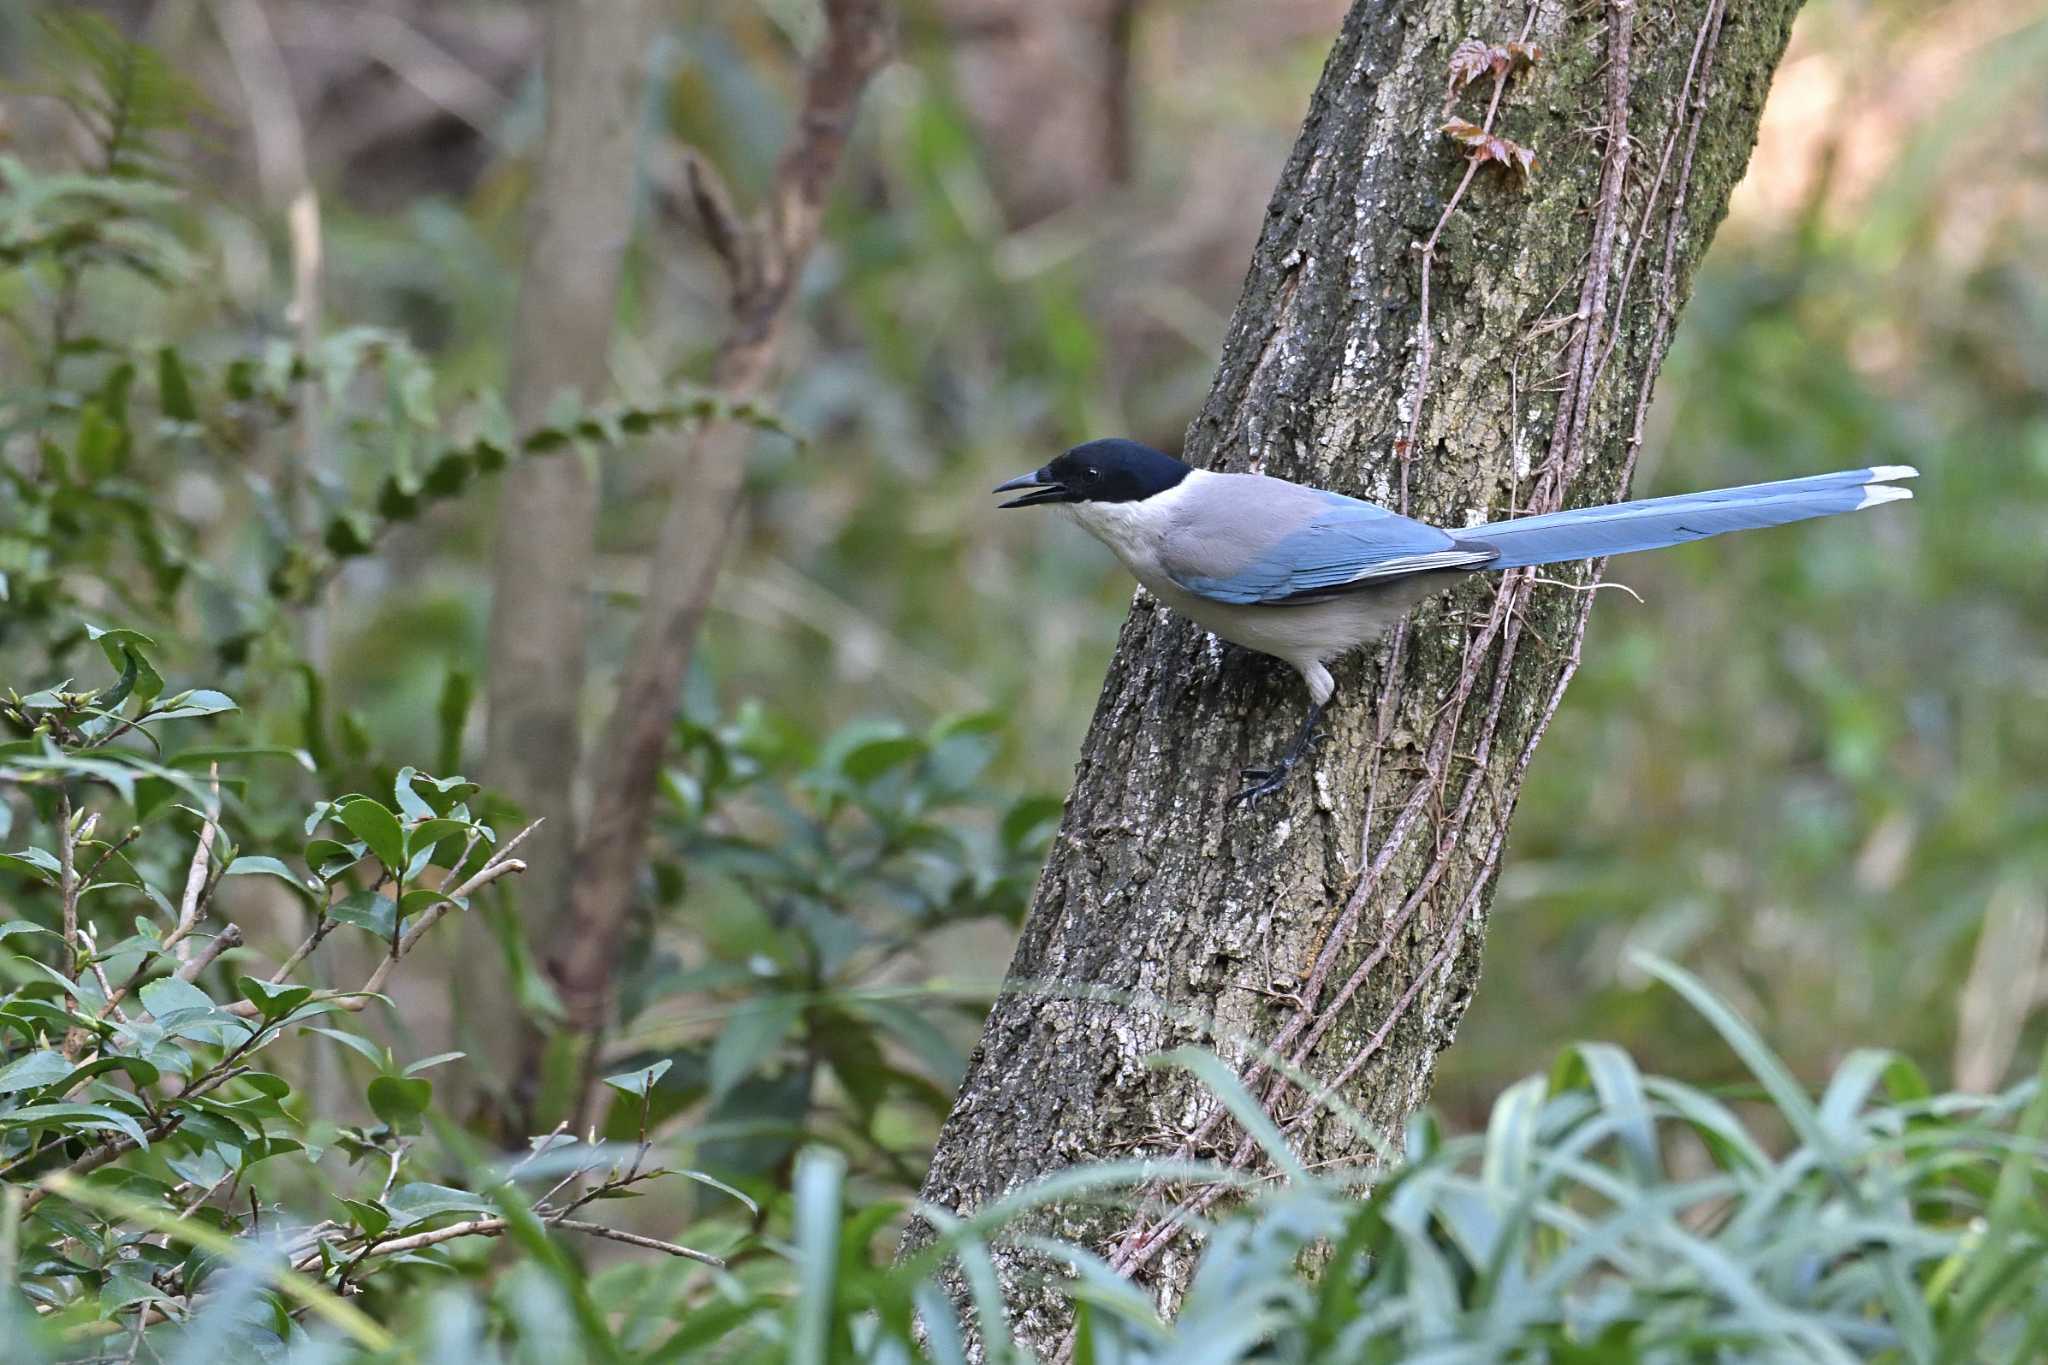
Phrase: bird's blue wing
(1320, 546)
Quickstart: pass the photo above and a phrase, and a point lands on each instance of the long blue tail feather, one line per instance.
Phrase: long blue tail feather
(1651, 524)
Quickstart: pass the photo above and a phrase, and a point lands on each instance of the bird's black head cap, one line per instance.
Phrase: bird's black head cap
(1100, 471)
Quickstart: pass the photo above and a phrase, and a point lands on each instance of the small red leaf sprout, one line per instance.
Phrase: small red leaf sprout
(1483, 146)
(1474, 58)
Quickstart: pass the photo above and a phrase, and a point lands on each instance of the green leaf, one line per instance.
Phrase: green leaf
(410, 803)
(446, 476)
(367, 910)
(355, 1042)
(89, 1117)
(1023, 821)
(1620, 1087)
(968, 723)
(1794, 1104)
(420, 898)
(752, 1035)
(22, 926)
(1511, 1135)
(398, 498)
(348, 535)
(274, 1001)
(100, 443)
(1225, 1084)
(200, 701)
(872, 759)
(912, 1029)
(400, 1101)
(118, 644)
(201, 756)
(197, 1232)
(820, 1176)
(330, 858)
(458, 691)
(185, 1011)
(34, 862)
(266, 1084)
(437, 1059)
(378, 828)
(420, 1200)
(173, 390)
(261, 865)
(599, 1346)
(140, 1071)
(457, 788)
(33, 1072)
(83, 989)
(641, 1081)
(371, 1218)
(110, 697)
(168, 995)
(422, 838)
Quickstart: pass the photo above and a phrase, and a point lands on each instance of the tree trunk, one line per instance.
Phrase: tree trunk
(579, 222)
(1430, 332)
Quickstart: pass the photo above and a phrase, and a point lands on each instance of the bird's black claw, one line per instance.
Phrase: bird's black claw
(1264, 782)
(1260, 783)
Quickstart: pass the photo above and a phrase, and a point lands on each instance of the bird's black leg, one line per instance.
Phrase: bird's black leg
(1266, 781)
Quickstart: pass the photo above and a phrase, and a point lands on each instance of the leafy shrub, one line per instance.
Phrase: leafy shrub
(811, 876)
(1604, 1215)
(144, 1136)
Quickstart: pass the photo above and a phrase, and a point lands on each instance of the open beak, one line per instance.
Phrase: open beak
(1043, 488)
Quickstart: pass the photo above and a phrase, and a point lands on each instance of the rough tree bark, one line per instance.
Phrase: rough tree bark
(579, 222)
(1424, 330)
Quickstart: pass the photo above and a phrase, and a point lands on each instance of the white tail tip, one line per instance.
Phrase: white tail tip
(1877, 493)
(1885, 473)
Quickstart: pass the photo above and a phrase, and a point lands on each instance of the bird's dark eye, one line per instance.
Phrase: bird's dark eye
(1090, 473)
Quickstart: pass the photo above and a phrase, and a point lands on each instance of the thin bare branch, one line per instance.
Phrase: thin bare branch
(67, 879)
(194, 898)
(713, 204)
(501, 864)
(704, 510)
(229, 937)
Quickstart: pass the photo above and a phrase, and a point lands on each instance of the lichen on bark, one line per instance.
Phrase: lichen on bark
(1340, 924)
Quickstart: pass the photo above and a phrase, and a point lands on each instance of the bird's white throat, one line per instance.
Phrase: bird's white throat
(1132, 530)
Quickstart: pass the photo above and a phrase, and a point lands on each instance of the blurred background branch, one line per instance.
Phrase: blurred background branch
(764, 258)
(579, 223)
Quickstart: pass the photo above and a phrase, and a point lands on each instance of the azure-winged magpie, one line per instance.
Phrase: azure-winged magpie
(1305, 575)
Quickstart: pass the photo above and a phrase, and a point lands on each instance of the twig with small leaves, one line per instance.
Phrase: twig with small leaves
(199, 887)
(368, 1247)
(500, 864)
(197, 891)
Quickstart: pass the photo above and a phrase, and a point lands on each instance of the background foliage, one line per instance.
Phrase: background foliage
(1809, 765)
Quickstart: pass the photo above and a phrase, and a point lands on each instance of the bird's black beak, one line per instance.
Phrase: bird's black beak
(1044, 488)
